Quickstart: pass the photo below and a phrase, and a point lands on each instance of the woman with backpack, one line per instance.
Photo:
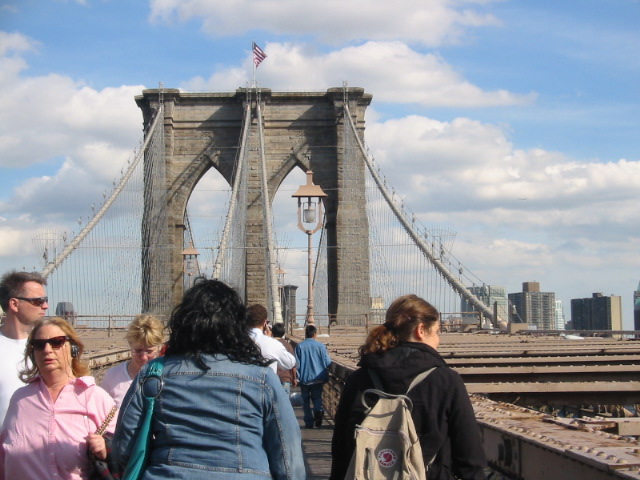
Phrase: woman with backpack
(398, 351)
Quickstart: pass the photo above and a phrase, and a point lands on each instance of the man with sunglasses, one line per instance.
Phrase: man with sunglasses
(23, 299)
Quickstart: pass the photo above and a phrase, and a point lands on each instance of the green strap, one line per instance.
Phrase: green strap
(155, 368)
(142, 443)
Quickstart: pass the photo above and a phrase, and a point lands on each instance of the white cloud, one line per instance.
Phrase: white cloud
(15, 241)
(391, 71)
(52, 120)
(427, 22)
(15, 43)
(466, 166)
(52, 115)
(209, 199)
(63, 115)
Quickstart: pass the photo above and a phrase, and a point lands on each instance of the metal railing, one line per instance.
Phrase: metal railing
(110, 323)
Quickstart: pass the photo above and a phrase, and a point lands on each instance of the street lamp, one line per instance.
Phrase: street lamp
(189, 258)
(310, 212)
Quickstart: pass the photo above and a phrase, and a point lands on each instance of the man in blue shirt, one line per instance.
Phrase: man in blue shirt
(313, 360)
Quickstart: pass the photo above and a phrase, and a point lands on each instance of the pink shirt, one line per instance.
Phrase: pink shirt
(40, 439)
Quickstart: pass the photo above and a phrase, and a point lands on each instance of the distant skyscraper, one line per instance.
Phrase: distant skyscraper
(534, 307)
(596, 313)
(489, 295)
(559, 315)
(636, 308)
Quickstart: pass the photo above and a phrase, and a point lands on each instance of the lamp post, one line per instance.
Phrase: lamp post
(189, 257)
(309, 212)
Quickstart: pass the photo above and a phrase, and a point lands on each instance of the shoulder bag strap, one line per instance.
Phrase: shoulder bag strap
(155, 368)
(107, 421)
(142, 443)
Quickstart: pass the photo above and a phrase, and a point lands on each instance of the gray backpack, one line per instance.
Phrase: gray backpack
(387, 445)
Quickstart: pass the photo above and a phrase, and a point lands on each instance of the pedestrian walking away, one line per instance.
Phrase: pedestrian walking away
(270, 348)
(221, 411)
(399, 350)
(313, 362)
(288, 378)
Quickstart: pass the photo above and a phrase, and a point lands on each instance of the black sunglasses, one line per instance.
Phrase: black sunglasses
(35, 301)
(55, 342)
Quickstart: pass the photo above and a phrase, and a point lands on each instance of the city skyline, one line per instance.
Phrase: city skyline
(513, 124)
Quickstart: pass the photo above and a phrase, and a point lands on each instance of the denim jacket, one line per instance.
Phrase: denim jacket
(231, 421)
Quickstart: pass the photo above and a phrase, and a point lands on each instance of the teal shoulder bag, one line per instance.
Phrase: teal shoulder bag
(142, 445)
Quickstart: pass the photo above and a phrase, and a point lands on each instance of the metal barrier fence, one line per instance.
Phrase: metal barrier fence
(110, 323)
(370, 320)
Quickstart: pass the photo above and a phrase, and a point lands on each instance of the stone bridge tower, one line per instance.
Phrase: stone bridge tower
(301, 129)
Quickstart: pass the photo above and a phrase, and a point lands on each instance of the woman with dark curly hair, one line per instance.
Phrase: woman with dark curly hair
(221, 412)
(398, 350)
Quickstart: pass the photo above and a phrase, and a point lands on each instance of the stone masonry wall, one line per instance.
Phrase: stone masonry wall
(301, 129)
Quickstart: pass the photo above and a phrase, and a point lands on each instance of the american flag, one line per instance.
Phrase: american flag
(258, 54)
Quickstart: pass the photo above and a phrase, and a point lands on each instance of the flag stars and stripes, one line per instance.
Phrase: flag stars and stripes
(258, 54)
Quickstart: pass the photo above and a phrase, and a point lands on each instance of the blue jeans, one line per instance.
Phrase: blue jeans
(311, 393)
(287, 387)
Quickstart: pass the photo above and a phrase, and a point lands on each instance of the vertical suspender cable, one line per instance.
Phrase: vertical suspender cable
(217, 271)
(271, 252)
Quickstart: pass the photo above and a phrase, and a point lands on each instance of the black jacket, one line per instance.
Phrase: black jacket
(442, 412)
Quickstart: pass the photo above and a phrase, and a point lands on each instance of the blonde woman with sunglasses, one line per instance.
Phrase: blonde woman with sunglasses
(51, 421)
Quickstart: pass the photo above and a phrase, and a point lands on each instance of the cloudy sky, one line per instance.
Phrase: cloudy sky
(515, 123)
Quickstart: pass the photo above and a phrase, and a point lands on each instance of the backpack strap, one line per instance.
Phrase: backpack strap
(377, 382)
(379, 391)
(419, 378)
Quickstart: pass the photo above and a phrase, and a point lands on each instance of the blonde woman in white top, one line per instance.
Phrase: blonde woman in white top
(146, 340)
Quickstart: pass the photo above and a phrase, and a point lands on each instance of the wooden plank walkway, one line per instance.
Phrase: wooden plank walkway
(316, 446)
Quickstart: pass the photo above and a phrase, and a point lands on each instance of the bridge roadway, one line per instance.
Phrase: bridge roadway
(594, 375)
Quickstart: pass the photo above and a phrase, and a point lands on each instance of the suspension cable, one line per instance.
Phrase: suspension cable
(400, 215)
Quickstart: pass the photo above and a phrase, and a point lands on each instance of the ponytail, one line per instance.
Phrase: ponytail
(380, 340)
(403, 315)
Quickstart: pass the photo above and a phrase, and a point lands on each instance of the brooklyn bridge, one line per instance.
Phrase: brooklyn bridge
(547, 405)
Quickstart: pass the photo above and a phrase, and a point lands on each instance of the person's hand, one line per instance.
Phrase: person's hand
(97, 446)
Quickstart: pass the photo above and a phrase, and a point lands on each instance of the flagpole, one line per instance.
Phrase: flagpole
(253, 61)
